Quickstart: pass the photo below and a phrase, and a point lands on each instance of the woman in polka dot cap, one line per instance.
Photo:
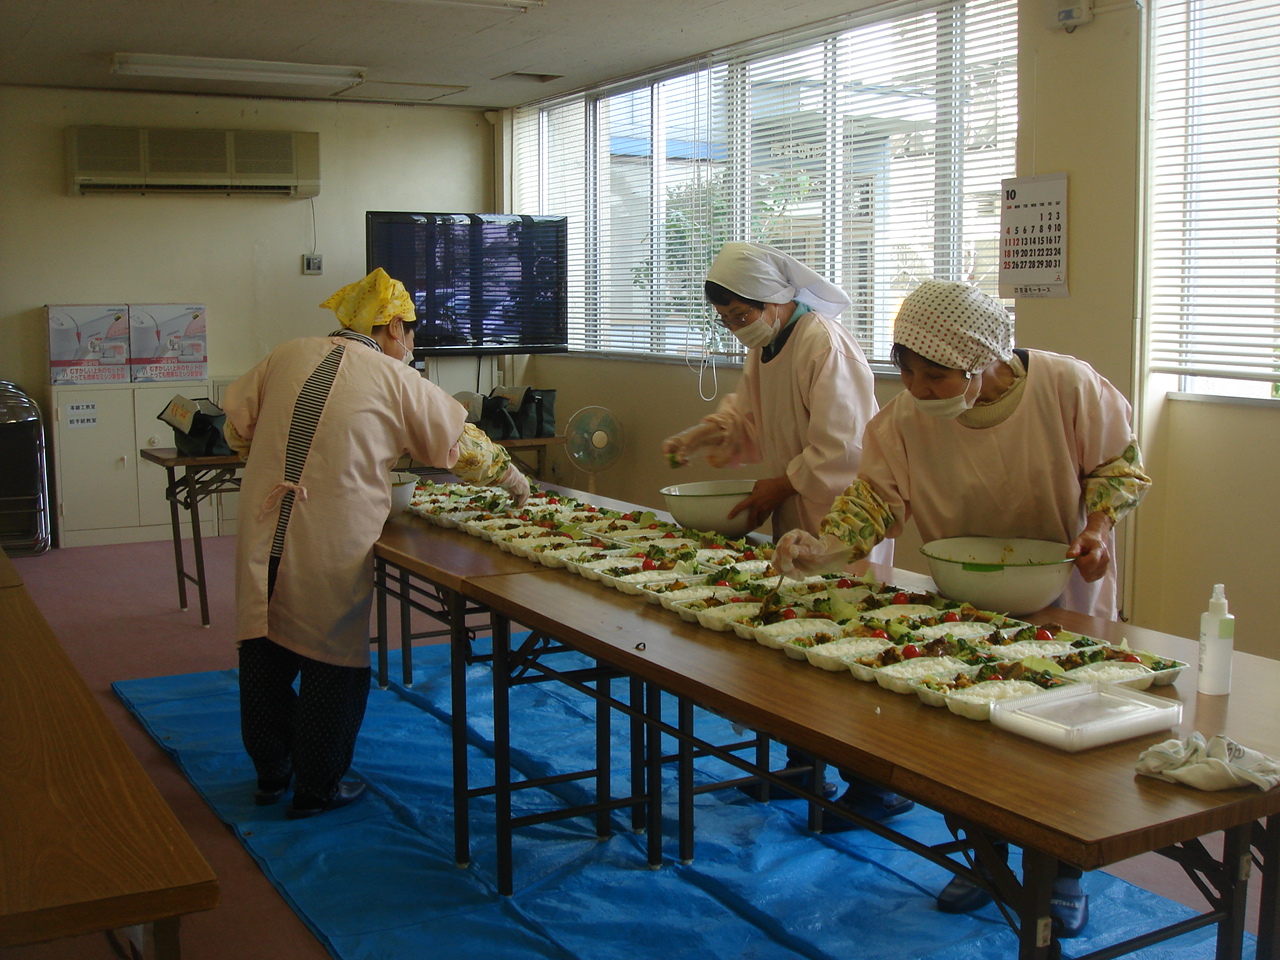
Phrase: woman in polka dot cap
(988, 440)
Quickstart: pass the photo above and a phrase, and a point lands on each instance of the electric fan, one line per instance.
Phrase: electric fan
(594, 440)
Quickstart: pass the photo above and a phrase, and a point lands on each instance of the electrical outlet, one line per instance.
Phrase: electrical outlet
(312, 263)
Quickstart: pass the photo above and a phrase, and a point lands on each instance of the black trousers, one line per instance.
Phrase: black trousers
(310, 732)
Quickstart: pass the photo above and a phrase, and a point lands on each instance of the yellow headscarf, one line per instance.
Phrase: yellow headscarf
(372, 302)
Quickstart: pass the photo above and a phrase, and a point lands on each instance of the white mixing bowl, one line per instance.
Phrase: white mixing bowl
(998, 573)
(402, 487)
(706, 505)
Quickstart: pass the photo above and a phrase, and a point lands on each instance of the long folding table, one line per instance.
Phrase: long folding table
(1087, 809)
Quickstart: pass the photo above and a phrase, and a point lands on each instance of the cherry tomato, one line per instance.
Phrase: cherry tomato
(1043, 635)
(626, 516)
(845, 583)
(668, 535)
(1131, 658)
(789, 613)
(749, 555)
(901, 597)
(880, 634)
(523, 516)
(950, 617)
(996, 676)
(910, 652)
(593, 509)
(722, 583)
(649, 565)
(553, 499)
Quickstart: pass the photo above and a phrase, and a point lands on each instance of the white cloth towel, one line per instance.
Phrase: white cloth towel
(1216, 764)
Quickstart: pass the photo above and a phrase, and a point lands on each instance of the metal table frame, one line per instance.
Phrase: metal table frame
(201, 477)
(1222, 880)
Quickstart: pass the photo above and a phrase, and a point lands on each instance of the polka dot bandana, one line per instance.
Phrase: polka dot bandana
(371, 302)
(955, 325)
(764, 273)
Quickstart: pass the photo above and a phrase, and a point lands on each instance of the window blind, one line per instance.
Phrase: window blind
(1214, 283)
(870, 148)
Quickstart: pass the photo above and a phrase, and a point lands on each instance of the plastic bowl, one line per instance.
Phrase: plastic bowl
(706, 505)
(998, 573)
(402, 487)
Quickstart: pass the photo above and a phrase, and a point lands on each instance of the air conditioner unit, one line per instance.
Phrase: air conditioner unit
(270, 163)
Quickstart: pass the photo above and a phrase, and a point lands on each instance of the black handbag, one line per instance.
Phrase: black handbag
(197, 427)
(537, 414)
(532, 412)
(495, 420)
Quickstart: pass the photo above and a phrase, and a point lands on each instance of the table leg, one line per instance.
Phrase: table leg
(197, 544)
(1035, 924)
(1236, 858)
(406, 630)
(638, 733)
(1266, 838)
(380, 583)
(175, 521)
(684, 781)
(160, 940)
(502, 751)
(653, 734)
(604, 752)
(459, 650)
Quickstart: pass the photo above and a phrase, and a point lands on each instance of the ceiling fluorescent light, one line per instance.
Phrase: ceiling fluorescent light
(522, 5)
(248, 71)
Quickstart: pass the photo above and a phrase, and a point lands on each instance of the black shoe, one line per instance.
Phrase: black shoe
(803, 781)
(1069, 907)
(271, 791)
(349, 791)
(961, 896)
(874, 803)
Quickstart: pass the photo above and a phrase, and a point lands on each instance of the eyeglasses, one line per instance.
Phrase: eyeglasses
(738, 319)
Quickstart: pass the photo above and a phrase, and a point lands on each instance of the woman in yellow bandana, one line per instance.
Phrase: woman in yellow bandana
(321, 420)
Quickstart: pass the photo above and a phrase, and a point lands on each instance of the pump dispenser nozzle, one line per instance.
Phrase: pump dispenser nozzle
(1218, 602)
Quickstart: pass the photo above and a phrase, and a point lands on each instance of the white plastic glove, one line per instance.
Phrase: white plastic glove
(679, 448)
(799, 554)
(516, 484)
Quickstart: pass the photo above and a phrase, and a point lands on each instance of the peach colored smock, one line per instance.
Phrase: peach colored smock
(1024, 477)
(803, 414)
(376, 409)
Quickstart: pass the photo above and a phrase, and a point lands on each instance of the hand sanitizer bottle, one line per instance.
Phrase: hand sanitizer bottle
(1217, 633)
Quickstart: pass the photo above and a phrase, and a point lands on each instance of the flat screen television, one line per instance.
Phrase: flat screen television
(481, 283)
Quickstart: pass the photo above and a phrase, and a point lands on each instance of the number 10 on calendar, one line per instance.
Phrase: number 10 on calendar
(1033, 236)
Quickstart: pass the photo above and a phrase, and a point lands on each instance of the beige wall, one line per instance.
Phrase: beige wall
(240, 256)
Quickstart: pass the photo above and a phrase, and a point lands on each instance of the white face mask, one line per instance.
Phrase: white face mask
(947, 409)
(757, 333)
(408, 353)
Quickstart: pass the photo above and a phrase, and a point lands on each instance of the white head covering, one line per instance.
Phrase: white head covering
(759, 272)
(955, 325)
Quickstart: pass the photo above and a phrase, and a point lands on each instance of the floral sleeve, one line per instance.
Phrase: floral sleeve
(480, 460)
(234, 440)
(1116, 486)
(858, 518)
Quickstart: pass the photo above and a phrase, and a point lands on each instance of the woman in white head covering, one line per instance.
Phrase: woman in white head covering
(988, 440)
(805, 395)
(799, 411)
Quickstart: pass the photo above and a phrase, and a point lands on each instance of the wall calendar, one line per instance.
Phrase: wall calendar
(1033, 236)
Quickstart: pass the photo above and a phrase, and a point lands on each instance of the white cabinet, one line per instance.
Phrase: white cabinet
(104, 492)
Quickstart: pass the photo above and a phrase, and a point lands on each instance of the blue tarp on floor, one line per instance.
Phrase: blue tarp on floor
(377, 879)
